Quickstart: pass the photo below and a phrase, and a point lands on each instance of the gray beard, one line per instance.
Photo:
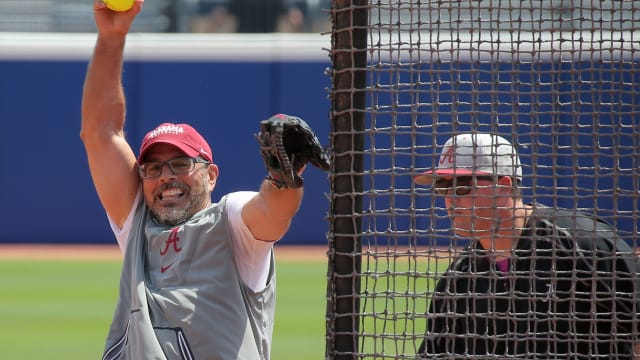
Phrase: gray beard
(172, 216)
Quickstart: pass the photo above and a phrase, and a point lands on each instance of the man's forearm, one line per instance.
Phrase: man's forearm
(281, 203)
(268, 214)
(103, 101)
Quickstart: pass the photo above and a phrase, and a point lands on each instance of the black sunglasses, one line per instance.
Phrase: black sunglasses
(460, 185)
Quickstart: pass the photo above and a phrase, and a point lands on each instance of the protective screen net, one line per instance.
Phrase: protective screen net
(468, 274)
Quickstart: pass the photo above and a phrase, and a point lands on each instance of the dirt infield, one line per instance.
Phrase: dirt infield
(112, 252)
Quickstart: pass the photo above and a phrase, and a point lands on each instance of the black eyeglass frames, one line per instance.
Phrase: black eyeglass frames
(179, 165)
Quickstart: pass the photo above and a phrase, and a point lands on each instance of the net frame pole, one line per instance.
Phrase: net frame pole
(349, 58)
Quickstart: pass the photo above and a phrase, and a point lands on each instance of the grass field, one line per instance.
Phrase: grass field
(62, 309)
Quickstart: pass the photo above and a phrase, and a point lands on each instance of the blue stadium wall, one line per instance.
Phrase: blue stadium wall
(222, 85)
(576, 124)
(226, 84)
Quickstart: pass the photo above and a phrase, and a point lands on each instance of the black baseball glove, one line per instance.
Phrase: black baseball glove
(287, 143)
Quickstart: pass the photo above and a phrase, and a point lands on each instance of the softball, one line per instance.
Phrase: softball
(119, 5)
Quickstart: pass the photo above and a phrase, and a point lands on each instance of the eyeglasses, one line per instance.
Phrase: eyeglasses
(179, 165)
(461, 185)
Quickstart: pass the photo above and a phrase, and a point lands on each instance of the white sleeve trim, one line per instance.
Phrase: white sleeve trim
(253, 257)
(122, 234)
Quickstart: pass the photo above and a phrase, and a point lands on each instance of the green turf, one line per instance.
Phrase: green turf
(299, 329)
(62, 310)
(54, 309)
(395, 294)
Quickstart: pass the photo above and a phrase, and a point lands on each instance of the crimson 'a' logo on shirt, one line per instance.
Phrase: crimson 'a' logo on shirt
(172, 240)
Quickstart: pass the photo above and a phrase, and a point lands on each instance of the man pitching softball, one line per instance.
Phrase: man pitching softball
(198, 278)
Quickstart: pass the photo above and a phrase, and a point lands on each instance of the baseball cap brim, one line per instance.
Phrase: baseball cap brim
(427, 177)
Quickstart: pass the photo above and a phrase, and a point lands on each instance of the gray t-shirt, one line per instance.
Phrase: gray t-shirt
(181, 295)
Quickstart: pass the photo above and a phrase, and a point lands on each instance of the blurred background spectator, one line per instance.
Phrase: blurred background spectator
(250, 16)
(311, 16)
(173, 16)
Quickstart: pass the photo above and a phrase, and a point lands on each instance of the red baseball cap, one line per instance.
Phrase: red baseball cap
(182, 136)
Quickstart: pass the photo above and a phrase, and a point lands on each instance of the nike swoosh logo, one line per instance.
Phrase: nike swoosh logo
(165, 268)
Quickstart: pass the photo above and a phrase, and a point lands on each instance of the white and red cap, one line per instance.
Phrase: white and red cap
(182, 136)
(475, 155)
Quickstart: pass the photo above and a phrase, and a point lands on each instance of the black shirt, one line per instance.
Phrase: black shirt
(571, 292)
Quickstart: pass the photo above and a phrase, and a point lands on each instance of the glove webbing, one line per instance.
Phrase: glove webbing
(286, 164)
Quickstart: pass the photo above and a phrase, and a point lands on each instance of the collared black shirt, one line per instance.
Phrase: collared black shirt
(572, 292)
